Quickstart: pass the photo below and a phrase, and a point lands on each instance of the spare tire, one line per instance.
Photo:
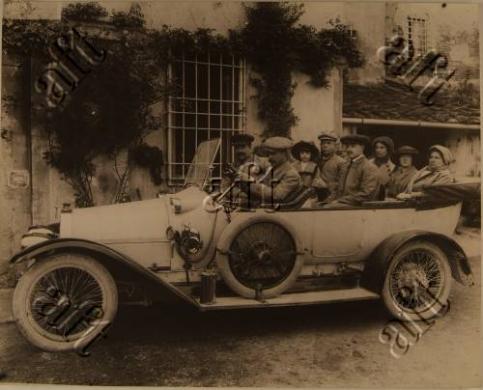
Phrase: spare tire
(261, 255)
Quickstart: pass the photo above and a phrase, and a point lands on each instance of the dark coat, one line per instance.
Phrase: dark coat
(384, 172)
(400, 179)
(358, 183)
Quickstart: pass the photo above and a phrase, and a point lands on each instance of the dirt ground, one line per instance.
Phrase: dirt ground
(328, 345)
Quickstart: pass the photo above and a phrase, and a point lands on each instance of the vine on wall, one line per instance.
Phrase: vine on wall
(113, 111)
(276, 46)
(85, 12)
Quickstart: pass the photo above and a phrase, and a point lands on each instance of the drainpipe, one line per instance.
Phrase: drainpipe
(389, 122)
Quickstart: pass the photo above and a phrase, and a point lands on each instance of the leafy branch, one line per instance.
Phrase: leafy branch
(113, 112)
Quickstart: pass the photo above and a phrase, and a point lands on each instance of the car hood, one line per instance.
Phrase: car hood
(142, 220)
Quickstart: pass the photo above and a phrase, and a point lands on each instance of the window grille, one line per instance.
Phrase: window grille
(418, 35)
(207, 102)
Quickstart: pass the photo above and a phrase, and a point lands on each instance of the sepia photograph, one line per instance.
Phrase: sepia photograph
(240, 194)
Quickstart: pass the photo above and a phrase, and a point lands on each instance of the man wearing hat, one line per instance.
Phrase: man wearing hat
(284, 181)
(244, 160)
(405, 171)
(358, 181)
(330, 164)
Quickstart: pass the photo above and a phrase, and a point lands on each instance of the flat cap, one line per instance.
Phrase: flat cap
(242, 139)
(406, 149)
(355, 139)
(328, 135)
(277, 143)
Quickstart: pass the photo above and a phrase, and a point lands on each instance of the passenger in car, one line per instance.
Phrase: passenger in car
(359, 179)
(306, 156)
(404, 172)
(436, 172)
(383, 149)
(245, 158)
(246, 161)
(283, 182)
(330, 165)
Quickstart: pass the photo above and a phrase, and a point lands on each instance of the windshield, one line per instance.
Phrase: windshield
(199, 170)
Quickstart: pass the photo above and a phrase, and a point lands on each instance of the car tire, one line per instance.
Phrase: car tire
(247, 288)
(406, 282)
(92, 283)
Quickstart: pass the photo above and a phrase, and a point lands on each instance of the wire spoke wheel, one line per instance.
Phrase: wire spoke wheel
(418, 281)
(262, 255)
(416, 278)
(64, 301)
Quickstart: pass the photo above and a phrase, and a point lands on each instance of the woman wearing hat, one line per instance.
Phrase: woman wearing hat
(436, 172)
(404, 172)
(383, 148)
(306, 157)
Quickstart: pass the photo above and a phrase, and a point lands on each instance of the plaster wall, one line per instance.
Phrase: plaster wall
(15, 210)
(317, 109)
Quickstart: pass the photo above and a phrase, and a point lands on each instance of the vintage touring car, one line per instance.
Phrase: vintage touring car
(198, 248)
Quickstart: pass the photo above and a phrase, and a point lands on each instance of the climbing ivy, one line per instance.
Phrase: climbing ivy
(133, 18)
(276, 46)
(87, 12)
(273, 42)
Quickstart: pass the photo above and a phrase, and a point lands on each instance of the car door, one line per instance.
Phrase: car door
(337, 233)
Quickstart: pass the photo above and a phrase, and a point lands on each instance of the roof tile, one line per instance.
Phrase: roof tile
(390, 101)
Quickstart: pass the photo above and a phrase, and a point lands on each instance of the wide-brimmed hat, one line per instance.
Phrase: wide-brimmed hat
(304, 146)
(445, 153)
(242, 139)
(355, 139)
(328, 135)
(388, 142)
(407, 150)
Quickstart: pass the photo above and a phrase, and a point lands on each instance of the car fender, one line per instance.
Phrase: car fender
(378, 262)
(114, 261)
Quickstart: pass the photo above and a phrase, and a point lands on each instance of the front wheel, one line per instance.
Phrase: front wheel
(417, 282)
(63, 302)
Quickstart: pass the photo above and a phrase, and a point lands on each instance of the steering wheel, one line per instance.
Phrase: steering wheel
(223, 199)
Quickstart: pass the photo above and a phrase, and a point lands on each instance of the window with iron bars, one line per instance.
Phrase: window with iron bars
(207, 102)
(417, 35)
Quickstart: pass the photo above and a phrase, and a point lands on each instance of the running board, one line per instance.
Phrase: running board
(290, 299)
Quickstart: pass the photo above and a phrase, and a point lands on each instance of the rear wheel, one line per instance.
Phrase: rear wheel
(63, 302)
(262, 256)
(418, 282)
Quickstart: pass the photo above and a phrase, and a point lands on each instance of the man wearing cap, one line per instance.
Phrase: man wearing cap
(283, 181)
(330, 164)
(245, 161)
(358, 182)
